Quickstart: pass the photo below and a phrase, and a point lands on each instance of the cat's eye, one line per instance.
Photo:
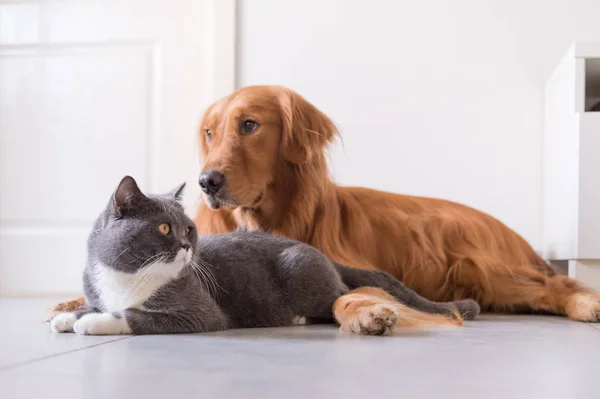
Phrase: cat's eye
(249, 126)
(208, 134)
(164, 228)
(187, 231)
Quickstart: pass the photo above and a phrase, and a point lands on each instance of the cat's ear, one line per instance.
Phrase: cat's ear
(177, 193)
(126, 196)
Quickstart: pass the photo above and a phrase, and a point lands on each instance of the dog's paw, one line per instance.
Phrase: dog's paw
(63, 322)
(584, 307)
(64, 307)
(101, 324)
(372, 319)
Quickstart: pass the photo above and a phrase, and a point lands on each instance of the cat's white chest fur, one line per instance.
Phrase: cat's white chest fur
(119, 291)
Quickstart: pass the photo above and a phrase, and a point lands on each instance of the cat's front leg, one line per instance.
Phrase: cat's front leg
(64, 322)
(137, 321)
(102, 324)
(191, 320)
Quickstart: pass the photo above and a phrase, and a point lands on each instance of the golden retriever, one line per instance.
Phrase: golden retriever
(265, 168)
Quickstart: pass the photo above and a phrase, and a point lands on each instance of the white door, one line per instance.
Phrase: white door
(90, 91)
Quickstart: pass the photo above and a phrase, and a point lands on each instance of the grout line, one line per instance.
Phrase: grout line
(595, 326)
(39, 359)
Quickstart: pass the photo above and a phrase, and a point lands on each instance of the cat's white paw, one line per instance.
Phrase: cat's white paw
(63, 322)
(101, 324)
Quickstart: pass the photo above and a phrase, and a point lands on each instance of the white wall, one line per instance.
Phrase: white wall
(433, 97)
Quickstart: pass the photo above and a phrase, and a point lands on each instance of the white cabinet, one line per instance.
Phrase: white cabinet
(571, 150)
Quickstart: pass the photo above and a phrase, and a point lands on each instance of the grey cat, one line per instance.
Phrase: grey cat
(149, 273)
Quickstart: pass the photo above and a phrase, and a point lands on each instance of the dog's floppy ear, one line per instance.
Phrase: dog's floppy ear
(306, 130)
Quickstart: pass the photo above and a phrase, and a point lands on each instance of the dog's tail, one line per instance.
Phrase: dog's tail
(413, 309)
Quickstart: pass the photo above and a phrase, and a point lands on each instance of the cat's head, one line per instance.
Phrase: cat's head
(137, 231)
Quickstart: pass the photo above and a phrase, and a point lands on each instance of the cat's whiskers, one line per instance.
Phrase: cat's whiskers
(207, 268)
(145, 268)
(145, 272)
(205, 262)
(151, 262)
(197, 273)
(204, 279)
(152, 258)
(209, 279)
(146, 275)
(122, 252)
(137, 258)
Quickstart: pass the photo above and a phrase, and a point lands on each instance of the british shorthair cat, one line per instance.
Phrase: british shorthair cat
(148, 272)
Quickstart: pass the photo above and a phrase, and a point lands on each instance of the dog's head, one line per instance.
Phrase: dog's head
(248, 137)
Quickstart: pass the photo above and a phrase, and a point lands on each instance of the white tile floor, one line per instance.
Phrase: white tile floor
(494, 357)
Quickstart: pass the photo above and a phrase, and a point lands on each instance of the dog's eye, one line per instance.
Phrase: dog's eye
(208, 134)
(249, 126)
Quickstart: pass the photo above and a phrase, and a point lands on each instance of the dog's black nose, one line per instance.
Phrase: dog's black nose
(211, 181)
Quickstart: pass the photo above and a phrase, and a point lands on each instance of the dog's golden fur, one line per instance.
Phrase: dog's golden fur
(277, 180)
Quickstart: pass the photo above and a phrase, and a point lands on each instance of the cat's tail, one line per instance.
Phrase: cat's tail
(415, 310)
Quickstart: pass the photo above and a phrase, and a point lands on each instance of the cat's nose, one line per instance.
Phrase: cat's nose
(185, 245)
(211, 181)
